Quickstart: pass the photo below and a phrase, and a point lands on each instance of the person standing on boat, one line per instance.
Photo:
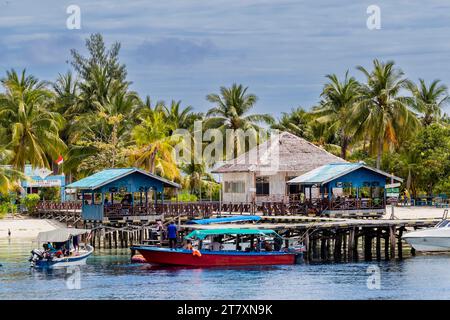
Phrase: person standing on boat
(172, 235)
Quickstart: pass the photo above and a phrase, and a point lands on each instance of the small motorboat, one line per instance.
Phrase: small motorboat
(61, 248)
(255, 254)
(436, 239)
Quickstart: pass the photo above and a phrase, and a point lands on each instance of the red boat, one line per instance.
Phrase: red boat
(209, 258)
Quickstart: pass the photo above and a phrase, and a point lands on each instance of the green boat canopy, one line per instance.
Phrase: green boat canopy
(202, 234)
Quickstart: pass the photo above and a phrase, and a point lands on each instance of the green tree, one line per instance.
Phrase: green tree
(339, 98)
(179, 117)
(429, 100)
(296, 122)
(382, 114)
(154, 146)
(31, 129)
(231, 112)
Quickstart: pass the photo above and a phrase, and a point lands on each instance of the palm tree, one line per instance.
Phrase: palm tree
(339, 99)
(178, 117)
(9, 177)
(429, 100)
(382, 114)
(154, 146)
(297, 122)
(198, 178)
(231, 112)
(31, 129)
(113, 115)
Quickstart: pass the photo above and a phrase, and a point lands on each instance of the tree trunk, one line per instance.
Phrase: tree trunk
(379, 152)
(344, 146)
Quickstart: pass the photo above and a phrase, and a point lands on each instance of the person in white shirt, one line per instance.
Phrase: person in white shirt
(215, 245)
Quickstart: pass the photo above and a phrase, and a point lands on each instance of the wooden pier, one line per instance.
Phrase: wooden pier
(324, 238)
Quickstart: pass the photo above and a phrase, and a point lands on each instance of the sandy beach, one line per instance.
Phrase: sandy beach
(414, 212)
(29, 228)
(26, 228)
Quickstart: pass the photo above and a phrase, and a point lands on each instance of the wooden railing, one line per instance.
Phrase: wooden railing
(54, 206)
(207, 208)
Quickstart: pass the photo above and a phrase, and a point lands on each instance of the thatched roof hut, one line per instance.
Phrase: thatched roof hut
(262, 173)
(284, 152)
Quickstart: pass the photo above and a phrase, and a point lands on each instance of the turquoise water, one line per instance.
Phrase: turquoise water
(110, 275)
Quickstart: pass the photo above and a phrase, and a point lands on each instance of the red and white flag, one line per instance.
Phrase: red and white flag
(60, 160)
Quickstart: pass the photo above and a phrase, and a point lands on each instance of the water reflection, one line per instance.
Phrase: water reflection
(109, 274)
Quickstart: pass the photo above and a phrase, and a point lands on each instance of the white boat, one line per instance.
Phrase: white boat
(436, 239)
(61, 249)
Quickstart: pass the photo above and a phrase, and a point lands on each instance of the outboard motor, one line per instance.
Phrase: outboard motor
(36, 255)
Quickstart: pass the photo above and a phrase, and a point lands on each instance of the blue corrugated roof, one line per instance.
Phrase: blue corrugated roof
(106, 176)
(332, 171)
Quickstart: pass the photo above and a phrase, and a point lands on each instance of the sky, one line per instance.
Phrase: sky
(186, 49)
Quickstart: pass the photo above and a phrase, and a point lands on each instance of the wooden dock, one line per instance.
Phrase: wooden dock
(324, 238)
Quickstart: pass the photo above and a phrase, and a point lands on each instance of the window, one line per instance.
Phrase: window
(293, 188)
(262, 186)
(234, 187)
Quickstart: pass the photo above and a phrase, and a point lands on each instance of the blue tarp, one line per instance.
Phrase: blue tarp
(224, 220)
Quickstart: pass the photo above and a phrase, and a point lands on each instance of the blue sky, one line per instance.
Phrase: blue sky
(185, 49)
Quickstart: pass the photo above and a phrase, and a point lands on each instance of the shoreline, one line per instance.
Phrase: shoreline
(29, 228)
(24, 228)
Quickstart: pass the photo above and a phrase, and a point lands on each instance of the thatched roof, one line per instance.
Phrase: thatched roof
(281, 153)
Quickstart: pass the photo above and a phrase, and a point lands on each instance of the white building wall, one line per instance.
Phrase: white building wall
(278, 190)
(247, 178)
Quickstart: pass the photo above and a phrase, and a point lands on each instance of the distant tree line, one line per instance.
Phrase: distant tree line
(92, 118)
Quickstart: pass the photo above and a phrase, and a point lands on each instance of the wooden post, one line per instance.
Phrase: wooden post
(323, 248)
(315, 253)
(351, 240)
(378, 244)
(367, 244)
(399, 243)
(386, 245)
(355, 244)
(337, 254)
(328, 248)
(307, 248)
(344, 243)
(392, 240)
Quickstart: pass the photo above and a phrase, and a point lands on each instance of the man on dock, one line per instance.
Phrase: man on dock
(172, 235)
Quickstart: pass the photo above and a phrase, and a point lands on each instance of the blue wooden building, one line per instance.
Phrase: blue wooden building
(115, 193)
(345, 188)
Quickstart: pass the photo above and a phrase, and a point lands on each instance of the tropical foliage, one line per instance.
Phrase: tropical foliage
(91, 117)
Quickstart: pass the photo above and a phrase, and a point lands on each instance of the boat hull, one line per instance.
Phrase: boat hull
(429, 244)
(65, 261)
(429, 240)
(180, 257)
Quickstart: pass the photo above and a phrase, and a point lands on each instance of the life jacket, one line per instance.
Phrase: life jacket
(196, 253)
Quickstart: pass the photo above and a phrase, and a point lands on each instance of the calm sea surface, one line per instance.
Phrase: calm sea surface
(110, 275)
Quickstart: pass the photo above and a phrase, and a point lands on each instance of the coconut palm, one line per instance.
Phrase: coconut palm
(32, 130)
(231, 112)
(178, 117)
(197, 178)
(429, 100)
(382, 114)
(339, 99)
(296, 122)
(9, 177)
(154, 147)
(231, 108)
